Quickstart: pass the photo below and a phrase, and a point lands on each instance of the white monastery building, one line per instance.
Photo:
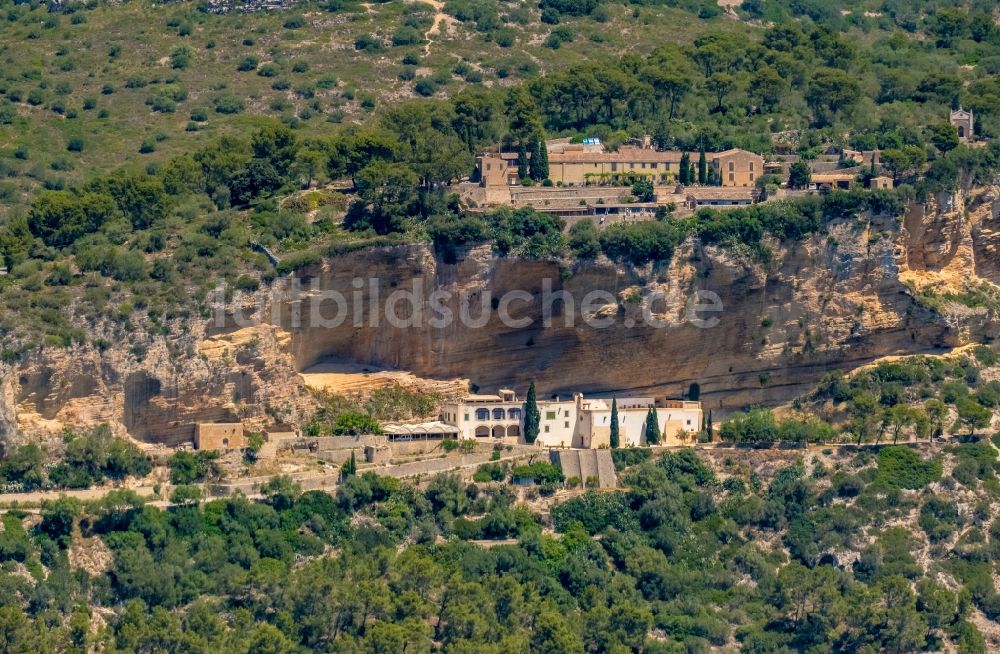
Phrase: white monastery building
(578, 422)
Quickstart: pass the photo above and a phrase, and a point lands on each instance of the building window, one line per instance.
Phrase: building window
(546, 429)
(751, 166)
(732, 177)
(513, 414)
(751, 177)
(653, 165)
(550, 415)
(482, 414)
(566, 425)
(466, 416)
(614, 167)
(498, 414)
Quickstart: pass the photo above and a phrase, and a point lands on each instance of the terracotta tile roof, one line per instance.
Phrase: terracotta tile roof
(625, 154)
(726, 153)
(833, 177)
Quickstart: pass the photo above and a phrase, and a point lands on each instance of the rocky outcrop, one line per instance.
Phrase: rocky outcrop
(834, 301)
(158, 398)
(986, 235)
(8, 419)
(854, 293)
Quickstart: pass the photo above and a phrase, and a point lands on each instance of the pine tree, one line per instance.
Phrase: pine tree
(522, 161)
(652, 428)
(702, 167)
(661, 136)
(684, 174)
(531, 416)
(615, 437)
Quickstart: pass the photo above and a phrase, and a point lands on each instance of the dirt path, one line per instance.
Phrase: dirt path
(37, 497)
(440, 18)
(729, 6)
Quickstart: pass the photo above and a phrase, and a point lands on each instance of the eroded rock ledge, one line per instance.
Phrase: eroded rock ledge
(837, 300)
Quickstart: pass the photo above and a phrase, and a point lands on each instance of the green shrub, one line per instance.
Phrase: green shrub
(228, 104)
(939, 518)
(194, 467)
(355, 424)
(985, 355)
(248, 64)
(626, 457)
(269, 70)
(756, 427)
(489, 472)
(368, 42)
(901, 467)
(540, 472)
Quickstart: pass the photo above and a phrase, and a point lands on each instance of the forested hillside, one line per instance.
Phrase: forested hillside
(88, 87)
(854, 551)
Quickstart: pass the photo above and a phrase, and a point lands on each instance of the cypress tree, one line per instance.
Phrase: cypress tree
(615, 437)
(531, 415)
(684, 174)
(652, 428)
(544, 166)
(350, 468)
(539, 164)
(702, 167)
(533, 161)
(522, 161)
(708, 424)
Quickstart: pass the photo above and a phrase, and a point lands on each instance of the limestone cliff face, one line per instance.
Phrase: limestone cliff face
(834, 301)
(986, 234)
(237, 375)
(845, 297)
